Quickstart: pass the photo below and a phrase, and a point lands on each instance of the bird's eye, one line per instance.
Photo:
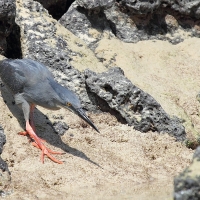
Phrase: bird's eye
(69, 104)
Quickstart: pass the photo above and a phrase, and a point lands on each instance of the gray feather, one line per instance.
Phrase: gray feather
(35, 82)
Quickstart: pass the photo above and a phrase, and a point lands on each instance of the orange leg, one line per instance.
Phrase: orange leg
(39, 144)
(25, 133)
(32, 107)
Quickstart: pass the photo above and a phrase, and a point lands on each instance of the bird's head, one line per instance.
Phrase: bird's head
(71, 102)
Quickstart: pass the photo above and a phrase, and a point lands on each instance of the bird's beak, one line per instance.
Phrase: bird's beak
(82, 115)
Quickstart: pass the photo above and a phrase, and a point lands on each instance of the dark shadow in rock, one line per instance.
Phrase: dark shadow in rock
(13, 43)
(97, 20)
(56, 8)
(48, 134)
(148, 24)
(103, 106)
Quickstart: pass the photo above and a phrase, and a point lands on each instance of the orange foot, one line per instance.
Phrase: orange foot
(47, 151)
(38, 142)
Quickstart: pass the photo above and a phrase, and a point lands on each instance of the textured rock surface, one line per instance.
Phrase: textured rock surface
(187, 184)
(2, 139)
(88, 25)
(60, 127)
(141, 7)
(3, 165)
(45, 40)
(7, 19)
(95, 4)
(186, 7)
(133, 21)
(138, 108)
(4, 172)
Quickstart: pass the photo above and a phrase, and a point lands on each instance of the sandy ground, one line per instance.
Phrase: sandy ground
(119, 162)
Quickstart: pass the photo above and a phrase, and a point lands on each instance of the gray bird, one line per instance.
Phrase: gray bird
(33, 84)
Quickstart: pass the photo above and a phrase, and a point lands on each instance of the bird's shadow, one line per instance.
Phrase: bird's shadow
(49, 136)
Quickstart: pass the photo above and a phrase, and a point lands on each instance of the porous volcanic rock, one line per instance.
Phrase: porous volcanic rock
(88, 25)
(187, 184)
(133, 21)
(95, 4)
(138, 108)
(2, 139)
(60, 127)
(5, 178)
(186, 7)
(4, 172)
(141, 7)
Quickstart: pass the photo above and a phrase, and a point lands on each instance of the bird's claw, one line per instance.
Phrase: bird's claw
(46, 151)
(38, 143)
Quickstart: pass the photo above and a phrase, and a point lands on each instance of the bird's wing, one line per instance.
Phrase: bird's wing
(20, 73)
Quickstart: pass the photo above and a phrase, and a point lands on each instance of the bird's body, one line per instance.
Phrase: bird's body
(33, 84)
(33, 81)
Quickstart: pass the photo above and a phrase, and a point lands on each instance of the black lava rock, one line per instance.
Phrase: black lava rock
(187, 184)
(60, 127)
(138, 108)
(3, 164)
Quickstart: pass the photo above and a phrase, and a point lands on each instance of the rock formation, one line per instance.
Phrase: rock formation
(133, 21)
(138, 108)
(187, 184)
(5, 178)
